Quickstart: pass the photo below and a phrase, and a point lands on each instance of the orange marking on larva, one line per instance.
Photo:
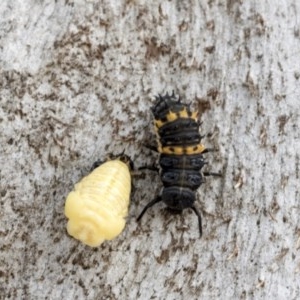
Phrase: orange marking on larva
(194, 115)
(159, 123)
(179, 150)
(187, 114)
(184, 113)
(171, 116)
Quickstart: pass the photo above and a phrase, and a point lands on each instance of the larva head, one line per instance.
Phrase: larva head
(164, 104)
(178, 198)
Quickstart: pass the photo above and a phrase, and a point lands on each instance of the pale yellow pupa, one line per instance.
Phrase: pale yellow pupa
(98, 205)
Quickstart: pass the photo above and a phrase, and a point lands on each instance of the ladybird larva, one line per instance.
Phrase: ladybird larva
(181, 155)
(98, 205)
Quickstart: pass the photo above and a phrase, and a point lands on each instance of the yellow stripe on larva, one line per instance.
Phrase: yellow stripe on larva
(98, 205)
(158, 123)
(172, 116)
(179, 150)
(185, 114)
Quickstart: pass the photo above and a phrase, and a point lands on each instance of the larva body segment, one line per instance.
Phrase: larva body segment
(98, 205)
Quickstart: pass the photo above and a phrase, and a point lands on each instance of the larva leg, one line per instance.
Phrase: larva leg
(151, 168)
(199, 219)
(206, 150)
(212, 174)
(150, 204)
(151, 147)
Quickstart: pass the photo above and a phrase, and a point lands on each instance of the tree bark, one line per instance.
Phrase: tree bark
(77, 82)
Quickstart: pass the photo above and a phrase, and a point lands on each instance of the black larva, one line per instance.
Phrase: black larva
(181, 155)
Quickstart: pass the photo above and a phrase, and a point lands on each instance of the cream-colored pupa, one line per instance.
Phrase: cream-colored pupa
(98, 205)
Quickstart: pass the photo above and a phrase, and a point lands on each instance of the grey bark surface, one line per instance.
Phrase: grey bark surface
(77, 82)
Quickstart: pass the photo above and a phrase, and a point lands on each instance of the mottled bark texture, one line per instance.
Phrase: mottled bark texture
(77, 82)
